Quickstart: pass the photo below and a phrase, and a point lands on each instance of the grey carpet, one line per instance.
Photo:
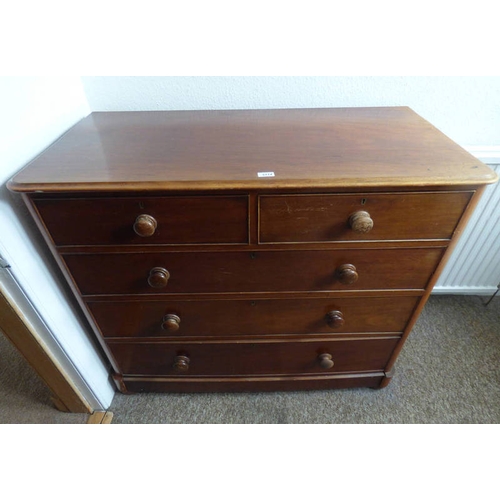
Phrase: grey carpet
(24, 398)
(448, 372)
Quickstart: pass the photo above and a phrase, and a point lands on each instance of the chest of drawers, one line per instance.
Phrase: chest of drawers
(252, 250)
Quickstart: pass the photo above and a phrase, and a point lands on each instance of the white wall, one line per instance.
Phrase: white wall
(467, 109)
(35, 111)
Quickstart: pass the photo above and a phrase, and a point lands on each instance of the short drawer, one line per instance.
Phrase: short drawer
(327, 217)
(158, 220)
(242, 271)
(201, 318)
(253, 358)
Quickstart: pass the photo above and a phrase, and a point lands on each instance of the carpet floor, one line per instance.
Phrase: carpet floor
(24, 397)
(447, 373)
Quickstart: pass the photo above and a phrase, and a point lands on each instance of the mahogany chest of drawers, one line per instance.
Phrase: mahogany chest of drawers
(252, 250)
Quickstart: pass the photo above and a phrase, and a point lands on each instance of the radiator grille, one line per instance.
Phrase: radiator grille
(474, 266)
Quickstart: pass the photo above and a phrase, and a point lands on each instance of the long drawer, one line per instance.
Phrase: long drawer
(326, 217)
(264, 271)
(178, 318)
(169, 219)
(253, 358)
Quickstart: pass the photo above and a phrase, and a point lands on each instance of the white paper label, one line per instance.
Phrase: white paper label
(265, 174)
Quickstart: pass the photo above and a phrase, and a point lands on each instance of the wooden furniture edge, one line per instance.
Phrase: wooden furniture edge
(264, 383)
(270, 184)
(100, 417)
(437, 273)
(67, 275)
(65, 396)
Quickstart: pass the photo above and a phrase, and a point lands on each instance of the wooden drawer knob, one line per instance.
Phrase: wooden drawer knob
(361, 222)
(181, 364)
(335, 319)
(145, 225)
(171, 322)
(347, 274)
(325, 361)
(158, 277)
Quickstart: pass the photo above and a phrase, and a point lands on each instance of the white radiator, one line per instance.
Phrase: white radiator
(474, 266)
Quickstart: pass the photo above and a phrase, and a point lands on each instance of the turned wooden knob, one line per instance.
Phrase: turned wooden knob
(158, 277)
(171, 322)
(347, 274)
(181, 364)
(335, 319)
(145, 225)
(361, 222)
(325, 361)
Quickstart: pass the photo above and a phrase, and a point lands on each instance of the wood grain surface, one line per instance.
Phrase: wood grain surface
(325, 217)
(264, 271)
(169, 150)
(180, 219)
(217, 318)
(253, 358)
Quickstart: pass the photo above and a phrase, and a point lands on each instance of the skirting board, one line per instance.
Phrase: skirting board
(464, 290)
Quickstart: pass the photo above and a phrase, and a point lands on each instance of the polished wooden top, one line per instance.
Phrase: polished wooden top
(316, 148)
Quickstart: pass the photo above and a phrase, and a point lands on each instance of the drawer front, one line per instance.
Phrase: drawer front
(177, 220)
(401, 216)
(310, 270)
(178, 318)
(243, 358)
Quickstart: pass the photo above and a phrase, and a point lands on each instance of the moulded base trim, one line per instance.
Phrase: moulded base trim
(131, 384)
